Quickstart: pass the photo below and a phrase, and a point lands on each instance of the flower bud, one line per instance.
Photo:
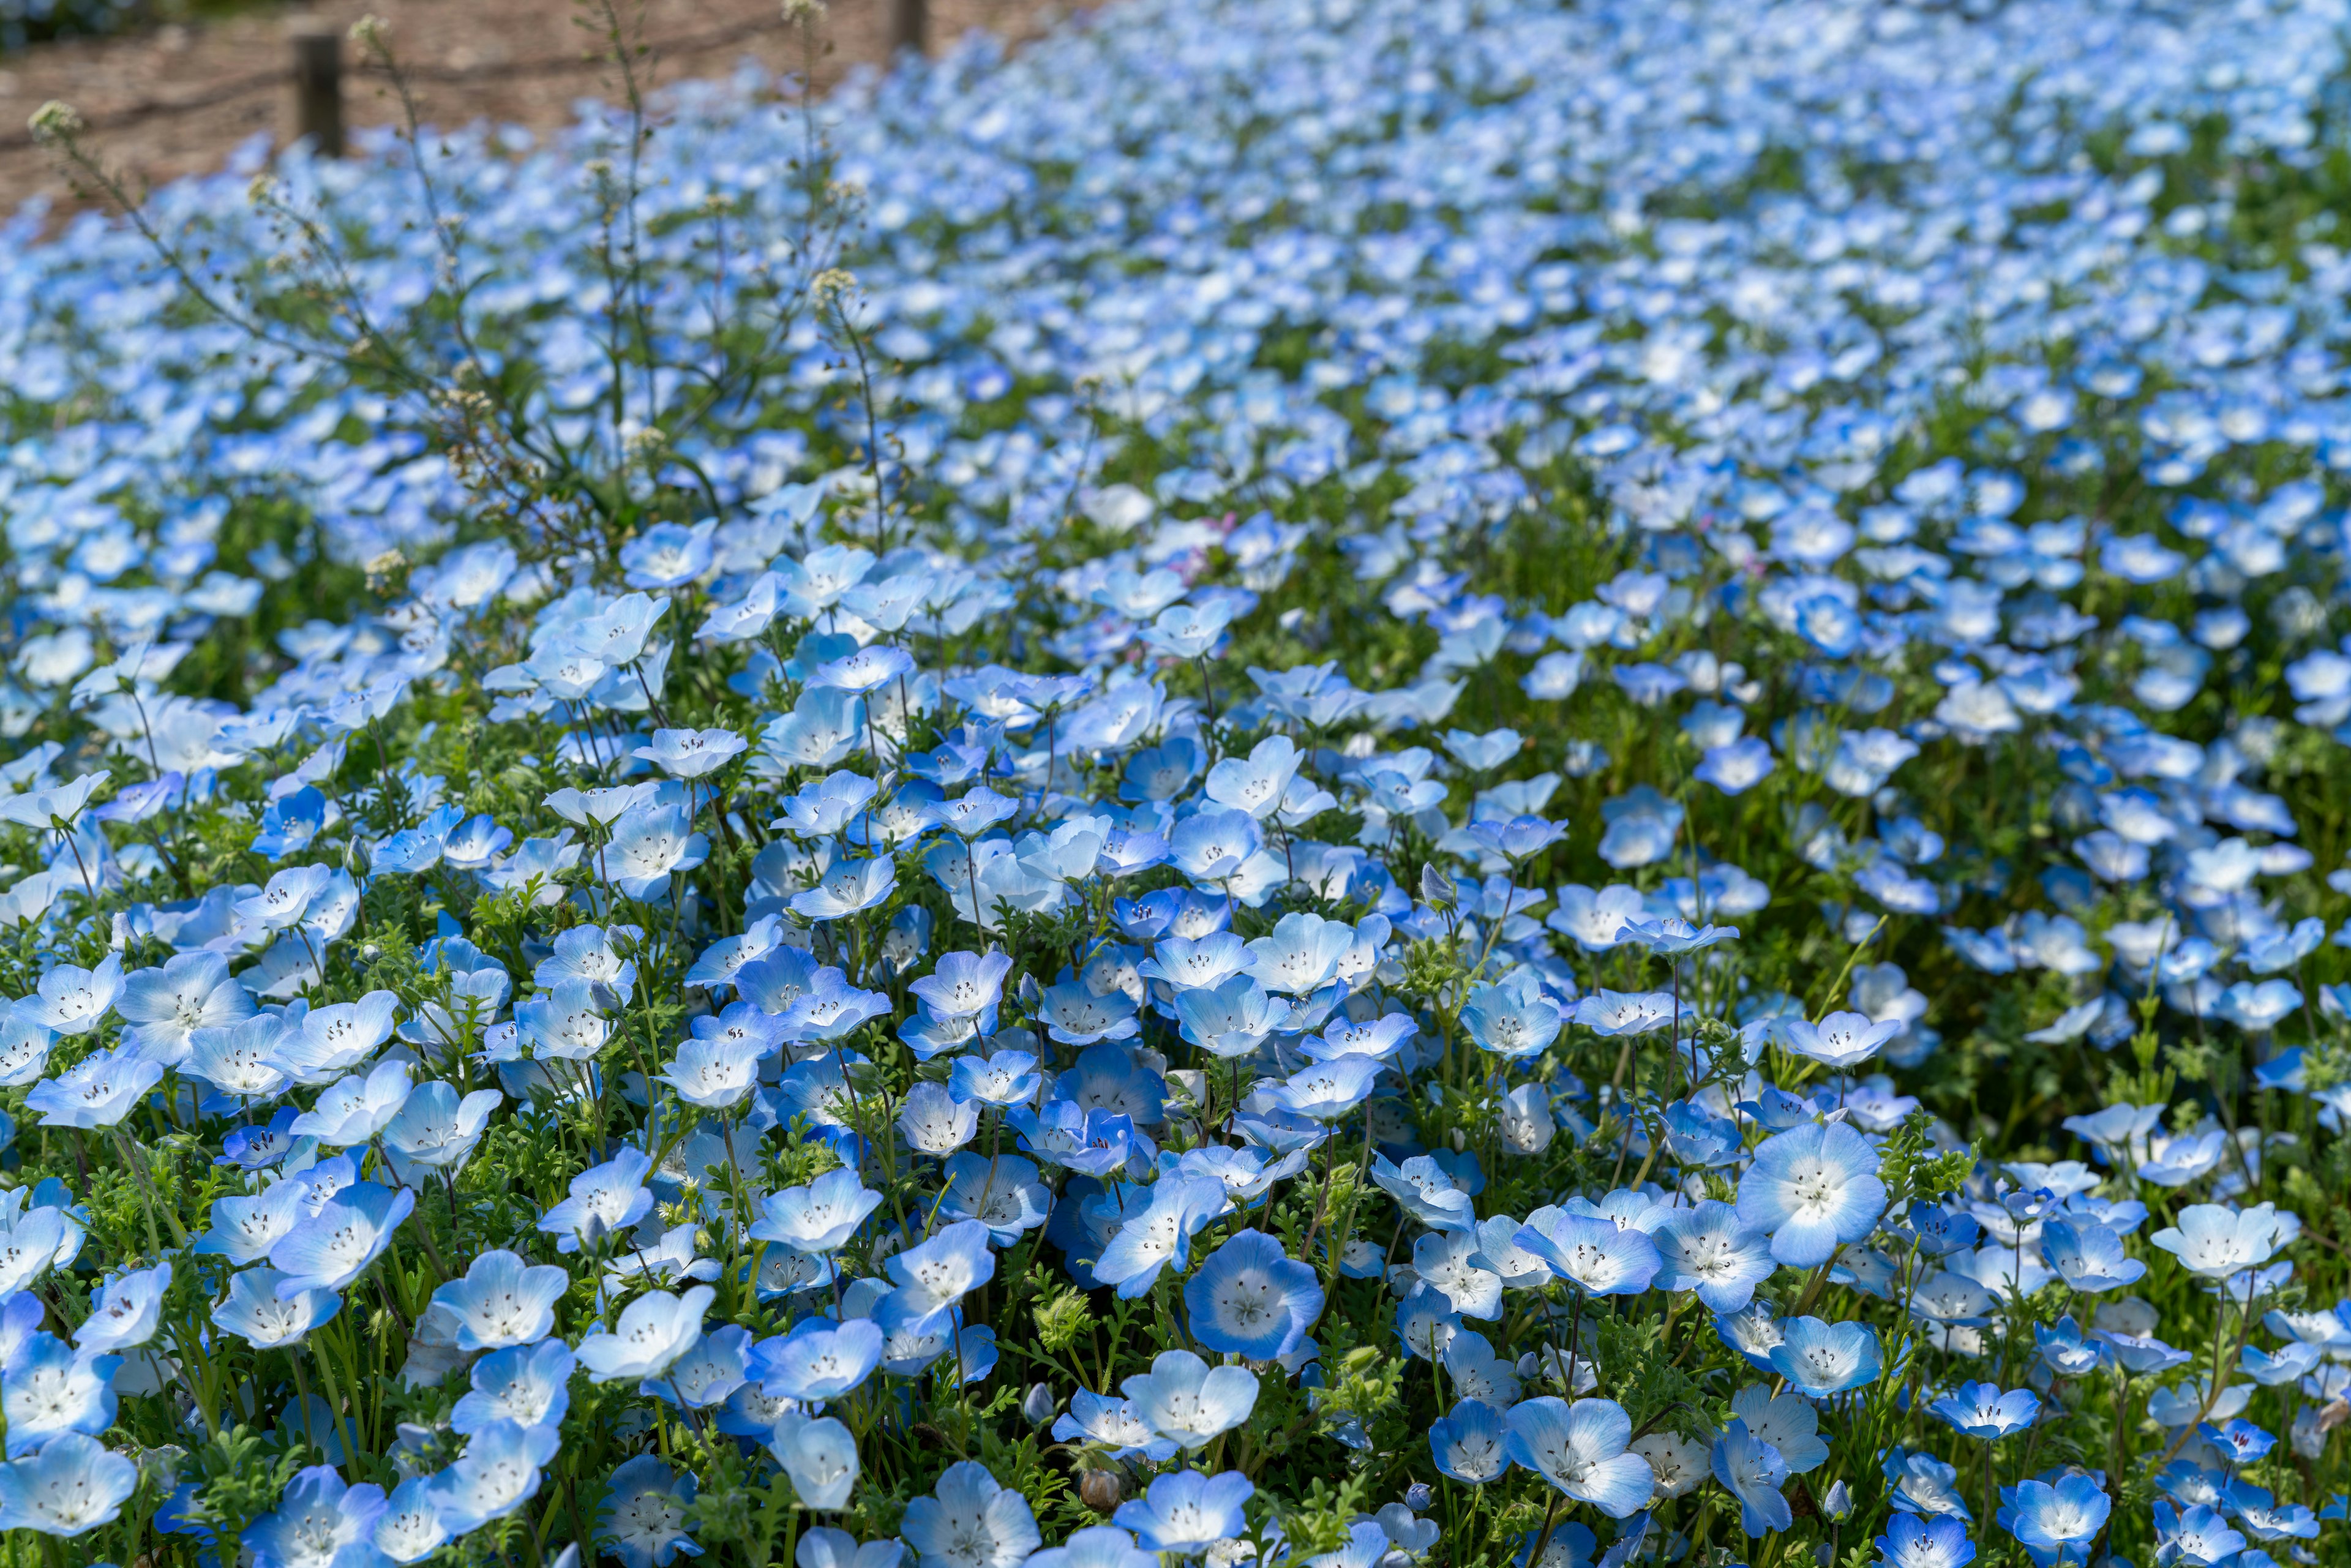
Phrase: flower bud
(1100, 1490)
(1039, 1406)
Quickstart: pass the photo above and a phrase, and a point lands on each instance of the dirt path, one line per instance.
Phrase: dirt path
(473, 47)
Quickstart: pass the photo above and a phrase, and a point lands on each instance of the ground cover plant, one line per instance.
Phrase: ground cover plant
(1327, 783)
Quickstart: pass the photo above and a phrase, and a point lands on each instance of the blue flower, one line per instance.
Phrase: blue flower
(255, 1313)
(319, 1519)
(1115, 1424)
(341, 1240)
(1704, 1249)
(1593, 1255)
(653, 1332)
(1251, 1298)
(530, 1385)
(1580, 1450)
(1469, 1443)
(125, 1311)
(1814, 1188)
(1910, 1542)
(497, 1473)
(1823, 1359)
(817, 1360)
(970, 1521)
(1097, 1546)
(1753, 1472)
(1179, 1208)
(502, 1302)
(48, 1388)
(605, 1198)
(1183, 1398)
(2056, 1523)
(1187, 1512)
(818, 1218)
(2087, 1256)
(820, 1457)
(642, 1516)
(72, 1486)
(1514, 1019)
(1981, 1410)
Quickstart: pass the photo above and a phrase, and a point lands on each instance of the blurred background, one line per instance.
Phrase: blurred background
(176, 86)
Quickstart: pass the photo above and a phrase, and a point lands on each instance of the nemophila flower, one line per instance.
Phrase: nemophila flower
(1911, 1541)
(1704, 1249)
(1580, 1450)
(1447, 1261)
(970, 1521)
(50, 1388)
(849, 888)
(1005, 1079)
(71, 1485)
(1786, 1421)
(652, 1333)
(1924, 1484)
(126, 1310)
(1179, 1208)
(353, 1110)
(498, 1472)
(940, 1271)
(2199, 1537)
(1611, 1014)
(1593, 1255)
(1823, 1359)
(96, 1091)
(644, 1514)
(245, 1228)
(318, 1521)
(714, 1074)
(527, 1385)
(1185, 1399)
(1230, 1017)
(707, 1372)
(503, 1302)
(435, 1130)
(818, 1361)
(933, 1121)
(1814, 1189)
(338, 1243)
(1115, 1423)
(1752, 1471)
(1514, 1019)
(816, 1217)
(604, 1198)
(2216, 1241)
(2088, 1257)
(2257, 1509)
(333, 1040)
(1325, 1092)
(1982, 1411)
(693, 753)
(164, 1006)
(1839, 1041)
(1469, 1443)
(1098, 1546)
(255, 1313)
(820, 1457)
(647, 846)
(1251, 1298)
(1187, 1512)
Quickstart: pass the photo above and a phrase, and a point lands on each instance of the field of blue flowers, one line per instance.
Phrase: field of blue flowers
(1341, 783)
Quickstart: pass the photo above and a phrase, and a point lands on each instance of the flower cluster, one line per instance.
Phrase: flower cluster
(1312, 782)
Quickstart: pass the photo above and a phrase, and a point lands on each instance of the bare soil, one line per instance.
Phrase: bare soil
(508, 61)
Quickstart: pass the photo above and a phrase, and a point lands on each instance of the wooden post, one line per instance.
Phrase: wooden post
(318, 85)
(909, 21)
